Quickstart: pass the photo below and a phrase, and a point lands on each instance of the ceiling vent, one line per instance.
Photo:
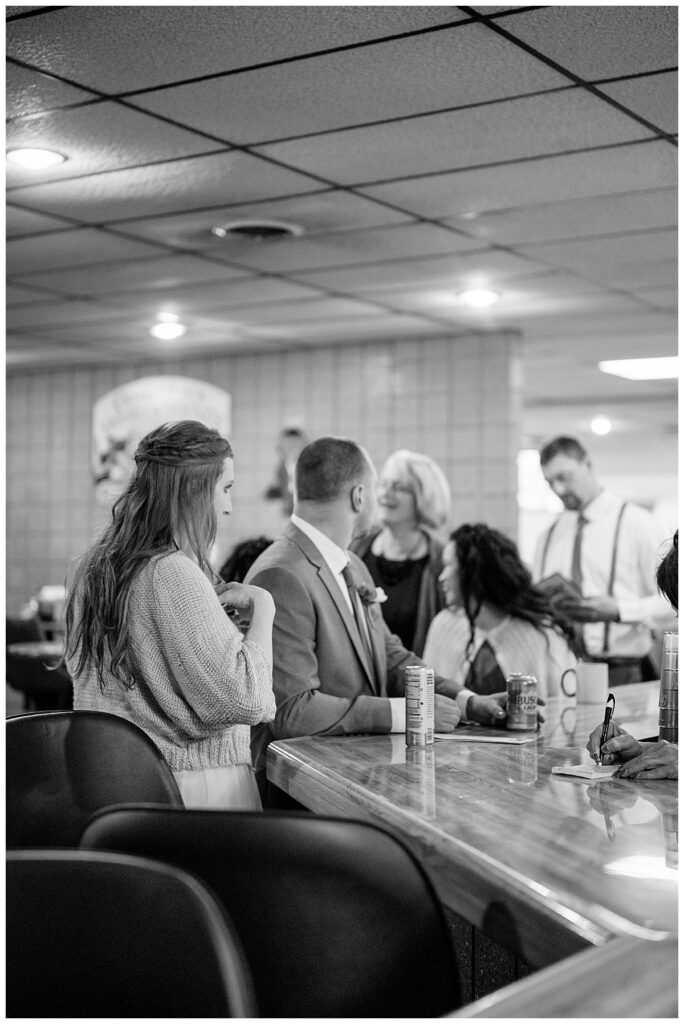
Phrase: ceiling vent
(260, 230)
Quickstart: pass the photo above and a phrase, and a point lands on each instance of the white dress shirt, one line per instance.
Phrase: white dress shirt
(640, 544)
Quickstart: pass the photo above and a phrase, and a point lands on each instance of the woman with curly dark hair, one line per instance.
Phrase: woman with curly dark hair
(147, 635)
(496, 621)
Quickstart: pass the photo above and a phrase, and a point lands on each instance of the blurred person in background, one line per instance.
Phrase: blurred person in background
(606, 548)
(291, 440)
(147, 636)
(496, 621)
(239, 561)
(643, 759)
(404, 552)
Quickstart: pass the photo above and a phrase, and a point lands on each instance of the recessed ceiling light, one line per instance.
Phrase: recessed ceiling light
(168, 331)
(601, 425)
(479, 297)
(258, 229)
(34, 159)
(659, 368)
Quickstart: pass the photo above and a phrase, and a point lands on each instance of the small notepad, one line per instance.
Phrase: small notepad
(585, 771)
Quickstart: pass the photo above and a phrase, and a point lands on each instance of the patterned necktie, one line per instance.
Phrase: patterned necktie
(484, 675)
(359, 613)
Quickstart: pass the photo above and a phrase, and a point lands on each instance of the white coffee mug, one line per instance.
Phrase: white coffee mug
(591, 682)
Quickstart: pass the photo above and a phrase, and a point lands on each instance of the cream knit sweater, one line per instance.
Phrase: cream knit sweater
(202, 684)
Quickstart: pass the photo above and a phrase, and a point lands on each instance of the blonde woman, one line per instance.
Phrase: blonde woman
(404, 552)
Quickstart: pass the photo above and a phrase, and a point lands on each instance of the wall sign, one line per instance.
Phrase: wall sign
(123, 416)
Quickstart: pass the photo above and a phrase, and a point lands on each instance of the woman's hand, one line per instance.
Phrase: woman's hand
(619, 746)
(491, 710)
(244, 597)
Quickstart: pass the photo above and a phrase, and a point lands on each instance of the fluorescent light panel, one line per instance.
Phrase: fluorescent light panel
(660, 368)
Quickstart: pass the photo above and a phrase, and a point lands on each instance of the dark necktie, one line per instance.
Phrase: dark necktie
(359, 613)
(576, 577)
(576, 566)
(484, 675)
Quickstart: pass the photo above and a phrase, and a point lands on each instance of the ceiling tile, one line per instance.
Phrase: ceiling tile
(99, 138)
(27, 93)
(598, 215)
(596, 253)
(134, 275)
(388, 80)
(156, 45)
(318, 213)
(73, 248)
(538, 125)
(323, 309)
(653, 97)
(457, 271)
(209, 299)
(638, 274)
(20, 222)
(38, 315)
(602, 41)
(598, 172)
(178, 185)
(346, 248)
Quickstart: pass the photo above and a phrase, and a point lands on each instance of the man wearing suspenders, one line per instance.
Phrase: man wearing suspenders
(609, 549)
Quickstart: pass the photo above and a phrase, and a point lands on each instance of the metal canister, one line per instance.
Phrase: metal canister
(668, 702)
(420, 706)
(521, 702)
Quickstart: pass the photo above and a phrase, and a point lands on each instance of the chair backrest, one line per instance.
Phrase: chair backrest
(62, 766)
(337, 918)
(105, 935)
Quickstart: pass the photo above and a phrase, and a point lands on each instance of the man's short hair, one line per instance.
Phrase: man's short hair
(562, 445)
(327, 467)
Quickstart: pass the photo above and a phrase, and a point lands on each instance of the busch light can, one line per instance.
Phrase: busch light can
(420, 706)
(521, 702)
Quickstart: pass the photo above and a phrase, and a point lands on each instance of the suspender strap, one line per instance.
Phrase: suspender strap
(613, 567)
(545, 551)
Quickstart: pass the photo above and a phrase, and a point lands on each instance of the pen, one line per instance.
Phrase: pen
(607, 715)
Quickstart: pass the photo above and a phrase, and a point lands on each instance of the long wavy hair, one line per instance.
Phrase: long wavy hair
(169, 502)
(491, 571)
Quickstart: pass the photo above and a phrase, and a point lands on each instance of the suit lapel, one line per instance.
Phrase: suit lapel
(326, 577)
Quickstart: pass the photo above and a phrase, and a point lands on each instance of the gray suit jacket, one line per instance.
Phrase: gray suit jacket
(321, 677)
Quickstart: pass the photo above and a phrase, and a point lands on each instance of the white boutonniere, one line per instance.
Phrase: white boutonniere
(371, 595)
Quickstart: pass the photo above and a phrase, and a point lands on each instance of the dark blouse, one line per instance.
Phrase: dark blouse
(401, 582)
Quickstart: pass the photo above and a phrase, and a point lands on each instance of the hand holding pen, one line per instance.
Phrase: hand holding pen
(607, 715)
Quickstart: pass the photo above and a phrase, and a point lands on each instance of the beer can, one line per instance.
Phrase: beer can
(521, 702)
(420, 706)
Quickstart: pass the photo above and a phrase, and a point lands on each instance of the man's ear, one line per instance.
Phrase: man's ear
(357, 497)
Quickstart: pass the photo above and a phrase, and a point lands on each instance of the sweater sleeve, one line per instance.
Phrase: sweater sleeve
(224, 678)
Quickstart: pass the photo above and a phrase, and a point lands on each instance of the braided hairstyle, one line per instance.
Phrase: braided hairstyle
(169, 501)
(490, 571)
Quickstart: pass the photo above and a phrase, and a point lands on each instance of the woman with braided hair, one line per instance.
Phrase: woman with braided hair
(148, 637)
(496, 621)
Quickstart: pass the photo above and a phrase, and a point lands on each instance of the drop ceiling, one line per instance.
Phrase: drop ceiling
(420, 151)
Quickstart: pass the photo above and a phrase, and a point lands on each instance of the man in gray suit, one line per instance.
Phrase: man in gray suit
(337, 669)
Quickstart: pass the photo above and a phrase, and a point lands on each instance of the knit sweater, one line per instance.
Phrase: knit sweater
(200, 684)
(518, 647)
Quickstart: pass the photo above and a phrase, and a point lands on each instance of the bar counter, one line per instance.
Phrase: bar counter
(543, 864)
